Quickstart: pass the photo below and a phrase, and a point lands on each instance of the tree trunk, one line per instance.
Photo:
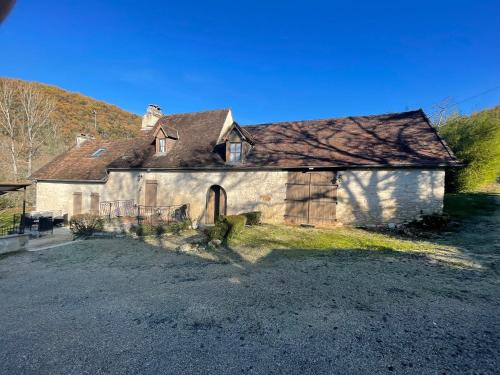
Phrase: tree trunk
(14, 159)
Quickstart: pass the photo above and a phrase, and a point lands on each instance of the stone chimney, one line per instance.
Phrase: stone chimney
(153, 113)
(82, 138)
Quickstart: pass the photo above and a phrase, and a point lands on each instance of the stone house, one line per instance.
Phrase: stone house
(362, 171)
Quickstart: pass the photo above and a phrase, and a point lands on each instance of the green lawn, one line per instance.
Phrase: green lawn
(258, 240)
(466, 205)
(265, 237)
(6, 219)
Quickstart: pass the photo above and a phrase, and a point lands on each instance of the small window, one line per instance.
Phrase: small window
(234, 152)
(162, 145)
(98, 152)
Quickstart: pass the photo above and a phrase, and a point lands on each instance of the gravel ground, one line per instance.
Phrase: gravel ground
(123, 306)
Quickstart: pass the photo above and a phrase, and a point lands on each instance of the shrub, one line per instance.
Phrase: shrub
(179, 226)
(431, 222)
(145, 230)
(253, 217)
(160, 229)
(435, 221)
(236, 224)
(218, 231)
(84, 225)
(475, 140)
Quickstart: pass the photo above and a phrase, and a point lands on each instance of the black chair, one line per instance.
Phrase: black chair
(45, 224)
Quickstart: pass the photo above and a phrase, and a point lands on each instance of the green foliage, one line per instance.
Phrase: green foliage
(295, 240)
(476, 141)
(253, 218)
(236, 224)
(218, 231)
(160, 229)
(84, 225)
(227, 228)
(179, 226)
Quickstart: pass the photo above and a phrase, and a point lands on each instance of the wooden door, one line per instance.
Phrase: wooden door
(216, 204)
(150, 193)
(94, 203)
(211, 206)
(77, 203)
(311, 198)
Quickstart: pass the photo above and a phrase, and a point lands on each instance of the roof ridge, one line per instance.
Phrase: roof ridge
(336, 118)
(195, 112)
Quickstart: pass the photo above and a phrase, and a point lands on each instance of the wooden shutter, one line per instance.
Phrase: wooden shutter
(77, 203)
(150, 193)
(94, 203)
(311, 198)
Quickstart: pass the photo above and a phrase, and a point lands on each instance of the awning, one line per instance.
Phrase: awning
(5, 187)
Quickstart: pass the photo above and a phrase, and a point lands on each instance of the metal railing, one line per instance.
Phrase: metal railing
(120, 208)
(162, 214)
(143, 214)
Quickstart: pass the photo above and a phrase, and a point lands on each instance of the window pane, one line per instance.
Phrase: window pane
(162, 145)
(235, 147)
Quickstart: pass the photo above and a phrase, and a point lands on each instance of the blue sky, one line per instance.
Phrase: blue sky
(267, 60)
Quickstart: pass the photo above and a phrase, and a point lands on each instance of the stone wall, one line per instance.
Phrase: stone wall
(246, 191)
(365, 197)
(373, 197)
(58, 196)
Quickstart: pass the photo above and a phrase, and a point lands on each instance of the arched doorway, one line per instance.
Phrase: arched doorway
(216, 203)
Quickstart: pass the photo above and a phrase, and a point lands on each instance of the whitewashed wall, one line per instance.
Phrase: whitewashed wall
(365, 197)
(371, 197)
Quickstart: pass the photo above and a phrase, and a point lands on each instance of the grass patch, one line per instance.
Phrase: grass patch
(6, 217)
(267, 237)
(466, 205)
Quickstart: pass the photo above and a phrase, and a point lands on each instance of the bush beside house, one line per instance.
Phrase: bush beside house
(84, 225)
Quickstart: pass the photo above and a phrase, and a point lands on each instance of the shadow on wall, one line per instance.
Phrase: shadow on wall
(374, 197)
(244, 193)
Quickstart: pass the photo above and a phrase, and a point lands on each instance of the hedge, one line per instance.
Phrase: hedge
(227, 228)
(253, 217)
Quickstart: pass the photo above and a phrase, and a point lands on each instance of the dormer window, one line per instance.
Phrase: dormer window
(164, 139)
(235, 145)
(162, 145)
(235, 152)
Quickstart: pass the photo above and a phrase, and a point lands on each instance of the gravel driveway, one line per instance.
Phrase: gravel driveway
(122, 306)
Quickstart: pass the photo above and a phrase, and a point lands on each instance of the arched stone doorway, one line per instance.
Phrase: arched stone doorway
(216, 203)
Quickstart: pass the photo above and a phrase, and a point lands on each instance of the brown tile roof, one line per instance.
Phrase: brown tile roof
(400, 139)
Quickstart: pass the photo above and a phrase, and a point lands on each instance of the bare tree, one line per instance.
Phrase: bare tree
(25, 114)
(37, 127)
(8, 122)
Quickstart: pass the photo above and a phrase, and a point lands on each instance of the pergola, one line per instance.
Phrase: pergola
(6, 187)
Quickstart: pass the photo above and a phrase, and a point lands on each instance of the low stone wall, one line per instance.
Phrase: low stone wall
(13, 242)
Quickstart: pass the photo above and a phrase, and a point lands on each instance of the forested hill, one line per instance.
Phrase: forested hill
(70, 113)
(74, 113)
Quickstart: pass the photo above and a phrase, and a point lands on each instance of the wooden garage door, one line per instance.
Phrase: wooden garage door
(311, 198)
